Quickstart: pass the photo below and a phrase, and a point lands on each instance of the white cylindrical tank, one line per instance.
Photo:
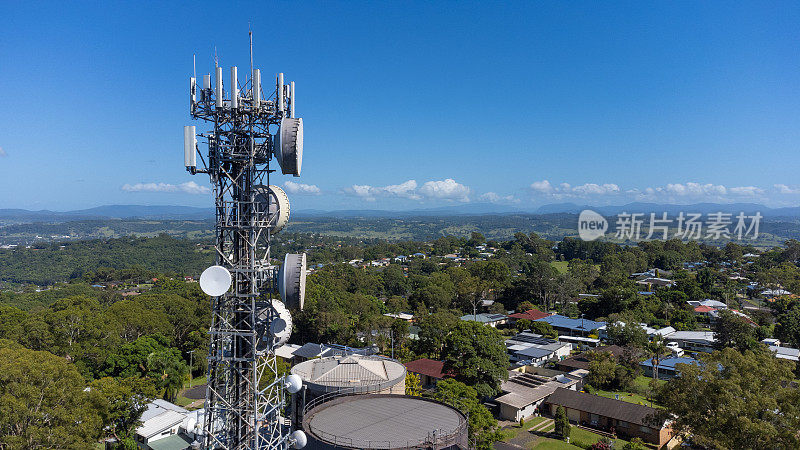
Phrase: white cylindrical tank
(219, 87)
(280, 92)
(189, 146)
(256, 88)
(234, 87)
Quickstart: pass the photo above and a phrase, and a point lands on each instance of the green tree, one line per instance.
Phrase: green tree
(483, 427)
(563, 427)
(734, 400)
(787, 328)
(627, 333)
(477, 354)
(433, 330)
(413, 385)
(732, 330)
(123, 402)
(43, 402)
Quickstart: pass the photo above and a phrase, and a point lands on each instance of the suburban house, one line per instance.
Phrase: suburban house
(715, 304)
(534, 349)
(523, 393)
(531, 314)
(656, 282)
(492, 320)
(789, 353)
(667, 367)
(581, 360)
(165, 426)
(429, 371)
(580, 342)
(628, 420)
(571, 327)
(698, 341)
(408, 317)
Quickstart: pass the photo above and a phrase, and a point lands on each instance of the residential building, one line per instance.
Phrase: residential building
(531, 314)
(401, 315)
(628, 420)
(789, 353)
(534, 349)
(160, 421)
(698, 341)
(492, 320)
(667, 367)
(429, 371)
(523, 393)
(571, 327)
(581, 360)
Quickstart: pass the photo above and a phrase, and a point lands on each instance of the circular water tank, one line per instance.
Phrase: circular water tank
(385, 422)
(352, 374)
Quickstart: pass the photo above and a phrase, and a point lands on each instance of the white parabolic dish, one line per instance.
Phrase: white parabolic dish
(215, 281)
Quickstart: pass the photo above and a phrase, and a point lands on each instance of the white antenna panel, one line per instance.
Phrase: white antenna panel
(189, 146)
(256, 88)
(219, 87)
(207, 81)
(291, 99)
(280, 92)
(234, 87)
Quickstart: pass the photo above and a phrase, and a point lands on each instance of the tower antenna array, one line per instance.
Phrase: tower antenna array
(246, 396)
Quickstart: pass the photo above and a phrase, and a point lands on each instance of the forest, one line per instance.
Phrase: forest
(128, 348)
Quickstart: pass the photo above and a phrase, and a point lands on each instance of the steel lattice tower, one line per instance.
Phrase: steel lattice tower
(244, 397)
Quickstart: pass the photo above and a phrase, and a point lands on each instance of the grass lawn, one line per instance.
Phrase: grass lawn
(576, 435)
(553, 444)
(560, 266)
(625, 397)
(644, 382)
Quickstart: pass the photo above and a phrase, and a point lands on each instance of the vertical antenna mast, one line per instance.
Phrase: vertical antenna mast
(245, 395)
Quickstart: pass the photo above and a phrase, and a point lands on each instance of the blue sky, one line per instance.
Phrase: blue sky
(414, 105)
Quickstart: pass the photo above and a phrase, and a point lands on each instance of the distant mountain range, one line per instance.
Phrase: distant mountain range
(194, 213)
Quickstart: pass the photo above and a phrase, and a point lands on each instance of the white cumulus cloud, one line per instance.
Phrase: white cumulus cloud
(447, 189)
(542, 186)
(300, 188)
(493, 197)
(784, 189)
(190, 187)
(567, 190)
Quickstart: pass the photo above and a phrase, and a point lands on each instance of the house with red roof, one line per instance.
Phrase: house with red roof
(429, 371)
(531, 314)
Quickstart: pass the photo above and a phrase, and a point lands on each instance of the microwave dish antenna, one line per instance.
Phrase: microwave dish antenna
(215, 281)
(288, 147)
(275, 205)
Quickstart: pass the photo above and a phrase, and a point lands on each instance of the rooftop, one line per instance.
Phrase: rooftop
(524, 389)
(531, 314)
(429, 367)
(560, 321)
(484, 318)
(384, 421)
(608, 407)
(668, 363)
(350, 371)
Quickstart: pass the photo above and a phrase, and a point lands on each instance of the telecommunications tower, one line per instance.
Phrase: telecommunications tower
(250, 296)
